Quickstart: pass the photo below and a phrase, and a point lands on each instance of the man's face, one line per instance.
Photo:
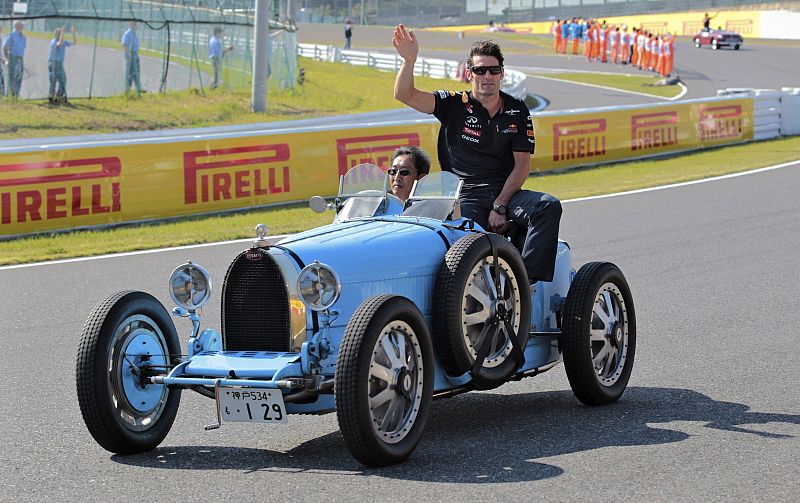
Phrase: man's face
(403, 180)
(19, 26)
(486, 84)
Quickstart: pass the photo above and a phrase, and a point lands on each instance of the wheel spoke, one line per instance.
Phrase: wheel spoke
(479, 295)
(487, 277)
(600, 313)
(596, 335)
(394, 408)
(476, 317)
(387, 347)
(380, 372)
(479, 341)
(601, 359)
(381, 398)
(609, 306)
(401, 347)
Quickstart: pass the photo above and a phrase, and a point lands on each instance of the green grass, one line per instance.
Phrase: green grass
(636, 83)
(566, 185)
(188, 109)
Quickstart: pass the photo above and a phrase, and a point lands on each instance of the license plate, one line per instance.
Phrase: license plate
(251, 405)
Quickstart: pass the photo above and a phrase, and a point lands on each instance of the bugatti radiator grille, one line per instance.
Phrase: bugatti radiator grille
(255, 305)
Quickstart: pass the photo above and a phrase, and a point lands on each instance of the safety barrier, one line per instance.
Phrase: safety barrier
(513, 83)
(69, 183)
(775, 113)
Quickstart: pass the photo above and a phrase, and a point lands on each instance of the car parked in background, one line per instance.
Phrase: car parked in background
(718, 38)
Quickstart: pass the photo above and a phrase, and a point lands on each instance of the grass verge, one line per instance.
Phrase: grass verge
(566, 185)
(188, 109)
(636, 83)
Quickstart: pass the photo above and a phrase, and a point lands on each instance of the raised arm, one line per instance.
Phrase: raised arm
(405, 42)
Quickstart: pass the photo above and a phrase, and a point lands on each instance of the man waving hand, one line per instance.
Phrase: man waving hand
(486, 139)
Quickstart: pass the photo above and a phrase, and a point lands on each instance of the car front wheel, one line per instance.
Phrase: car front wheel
(127, 338)
(714, 45)
(599, 334)
(697, 43)
(384, 380)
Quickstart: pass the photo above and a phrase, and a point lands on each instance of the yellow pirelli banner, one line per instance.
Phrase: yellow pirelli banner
(142, 178)
(53, 189)
(565, 140)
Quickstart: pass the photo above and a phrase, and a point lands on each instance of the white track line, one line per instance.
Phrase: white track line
(589, 198)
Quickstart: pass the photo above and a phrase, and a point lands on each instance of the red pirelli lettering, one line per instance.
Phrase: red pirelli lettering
(375, 149)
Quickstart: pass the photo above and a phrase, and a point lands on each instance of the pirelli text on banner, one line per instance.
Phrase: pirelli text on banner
(372, 149)
(65, 192)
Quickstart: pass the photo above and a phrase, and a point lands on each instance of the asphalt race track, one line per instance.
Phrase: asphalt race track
(712, 412)
(703, 71)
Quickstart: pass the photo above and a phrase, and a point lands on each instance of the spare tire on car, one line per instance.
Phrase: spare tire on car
(482, 310)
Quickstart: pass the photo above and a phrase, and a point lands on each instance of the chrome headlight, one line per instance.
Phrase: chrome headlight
(318, 286)
(190, 286)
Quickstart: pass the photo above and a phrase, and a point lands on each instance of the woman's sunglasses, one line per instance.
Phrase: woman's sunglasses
(481, 70)
(401, 172)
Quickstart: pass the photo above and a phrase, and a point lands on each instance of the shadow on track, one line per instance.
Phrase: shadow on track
(491, 438)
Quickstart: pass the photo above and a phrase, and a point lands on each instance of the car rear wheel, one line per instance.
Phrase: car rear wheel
(482, 310)
(599, 334)
(697, 43)
(384, 380)
(126, 338)
(736, 47)
(714, 45)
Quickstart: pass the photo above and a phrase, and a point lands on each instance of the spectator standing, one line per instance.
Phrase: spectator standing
(562, 48)
(14, 49)
(2, 62)
(130, 44)
(613, 42)
(216, 52)
(624, 43)
(348, 33)
(55, 65)
(575, 33)
(603, 34)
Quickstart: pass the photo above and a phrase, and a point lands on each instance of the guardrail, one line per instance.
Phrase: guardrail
(775, 113)
(513, 83)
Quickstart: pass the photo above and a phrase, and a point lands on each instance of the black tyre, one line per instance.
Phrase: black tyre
(125, 335)
(384, 380)
(697, 43)
(477, 328)
(736, 47)
(714, 45)
(599, 334)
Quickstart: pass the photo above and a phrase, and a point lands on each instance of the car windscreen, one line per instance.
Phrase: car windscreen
(434, 196)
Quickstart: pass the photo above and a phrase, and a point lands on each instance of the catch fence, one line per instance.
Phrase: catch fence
(173, 39)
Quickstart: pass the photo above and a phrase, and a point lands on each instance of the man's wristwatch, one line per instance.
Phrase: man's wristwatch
(500, 209)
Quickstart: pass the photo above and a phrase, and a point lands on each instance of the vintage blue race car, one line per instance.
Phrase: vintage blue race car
(372, 316)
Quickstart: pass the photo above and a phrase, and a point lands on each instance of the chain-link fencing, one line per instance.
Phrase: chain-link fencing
(173, 39)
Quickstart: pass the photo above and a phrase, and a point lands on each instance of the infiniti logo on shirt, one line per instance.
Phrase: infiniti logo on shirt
(472, 119)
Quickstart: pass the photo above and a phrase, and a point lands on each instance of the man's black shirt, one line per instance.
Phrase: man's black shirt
(477, 148)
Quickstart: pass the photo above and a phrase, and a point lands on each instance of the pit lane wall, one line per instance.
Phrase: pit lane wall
(67, 185)
(748, 23)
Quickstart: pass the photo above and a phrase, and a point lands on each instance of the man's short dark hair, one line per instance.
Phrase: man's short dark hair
(419, 157)
(485, 48)
(217, 30)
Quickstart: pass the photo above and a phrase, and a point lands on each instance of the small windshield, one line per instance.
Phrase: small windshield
(435, 196)
(364, 192)
(363, 177)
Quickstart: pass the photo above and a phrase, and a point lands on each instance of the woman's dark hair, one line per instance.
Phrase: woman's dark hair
(485, 48)
(419, 157)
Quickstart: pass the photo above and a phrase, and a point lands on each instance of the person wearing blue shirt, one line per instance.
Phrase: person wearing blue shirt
(215, 53)
(14, 49)
(2, 62)
(55, 65)
(130, 44)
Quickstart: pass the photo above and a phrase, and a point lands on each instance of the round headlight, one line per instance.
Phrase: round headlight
(190, 286)
(318, 286)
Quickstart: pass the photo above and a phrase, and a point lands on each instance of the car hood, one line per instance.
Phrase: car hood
(374, 249)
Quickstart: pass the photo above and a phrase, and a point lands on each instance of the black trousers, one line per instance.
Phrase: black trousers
(537, 216)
